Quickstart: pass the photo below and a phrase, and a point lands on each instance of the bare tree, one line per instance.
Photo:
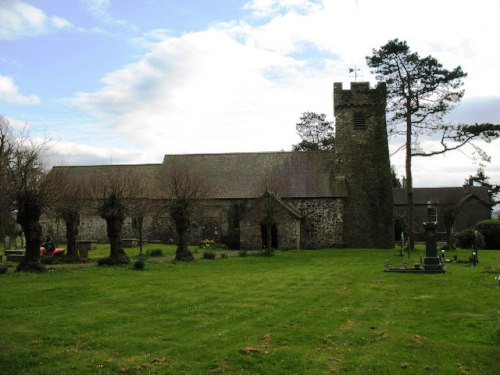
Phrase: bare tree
(184, 191)
(451, 205)
(6, 199)
(272, 185)
(140, 207)
(113, 192)
(70, 193)
(31, 193)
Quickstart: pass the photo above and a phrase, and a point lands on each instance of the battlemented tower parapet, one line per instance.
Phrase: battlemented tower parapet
(362, 156)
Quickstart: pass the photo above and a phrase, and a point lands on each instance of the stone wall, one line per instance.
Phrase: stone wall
(363, 158)
(93, 227)
(285, 224)
(322, 222)
(321, 225)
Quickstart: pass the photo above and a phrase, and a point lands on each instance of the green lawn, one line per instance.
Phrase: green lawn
(298, 312)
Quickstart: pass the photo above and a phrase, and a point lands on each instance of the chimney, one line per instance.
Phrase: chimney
(404, 182)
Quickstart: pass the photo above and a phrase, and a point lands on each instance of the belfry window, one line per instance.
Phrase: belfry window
(359, 121)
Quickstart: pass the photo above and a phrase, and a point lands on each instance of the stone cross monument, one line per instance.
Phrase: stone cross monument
(432, 262)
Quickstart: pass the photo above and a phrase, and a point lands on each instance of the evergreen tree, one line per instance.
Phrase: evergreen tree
(316, 133)
(420, 93)
(483, 180)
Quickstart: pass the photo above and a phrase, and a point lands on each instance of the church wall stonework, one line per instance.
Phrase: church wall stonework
(322, 222)
(219, 220)
(362, 156)
(329, 199)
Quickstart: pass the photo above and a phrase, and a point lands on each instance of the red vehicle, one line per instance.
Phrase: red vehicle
(49, 248)
(58, 251)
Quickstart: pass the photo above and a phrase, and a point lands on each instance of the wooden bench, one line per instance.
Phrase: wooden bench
(14, 255)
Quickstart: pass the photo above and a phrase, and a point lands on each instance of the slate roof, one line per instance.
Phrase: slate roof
(240, 175)
(442, 195)
(145, 172)
(244, 175)
(287, 208)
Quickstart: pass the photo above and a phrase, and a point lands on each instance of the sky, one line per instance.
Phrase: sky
(124, 81)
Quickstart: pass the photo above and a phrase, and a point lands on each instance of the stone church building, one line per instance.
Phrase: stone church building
(315, 199)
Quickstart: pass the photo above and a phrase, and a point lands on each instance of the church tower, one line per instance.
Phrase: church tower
(362, 156)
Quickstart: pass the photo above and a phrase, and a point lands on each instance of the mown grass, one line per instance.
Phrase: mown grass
(102, 250)
(298, 312)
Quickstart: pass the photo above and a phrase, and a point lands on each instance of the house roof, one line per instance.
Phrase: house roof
(247, 175)
(442, 195)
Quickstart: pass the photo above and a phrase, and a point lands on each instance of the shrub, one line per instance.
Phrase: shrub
(3, 269)
(490, 229)
(465, 239)
(156, 253)
(106, 262)
(223, 254)
(208, 255)
(139, 264)
(399, 226)
(243, 253)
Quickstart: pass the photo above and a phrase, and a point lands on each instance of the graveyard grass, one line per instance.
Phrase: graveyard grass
(298, 312)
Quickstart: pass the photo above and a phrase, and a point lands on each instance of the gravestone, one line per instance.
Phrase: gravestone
(432, 262)
(6, 243)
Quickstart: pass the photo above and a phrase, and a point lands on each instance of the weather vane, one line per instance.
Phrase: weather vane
(355, 71)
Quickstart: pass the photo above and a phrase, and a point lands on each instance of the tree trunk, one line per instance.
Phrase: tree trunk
(182, 227)
(33, 233)
(72, 221)
(114, 228)
(450, 236)
(409, 180)
(140, 222)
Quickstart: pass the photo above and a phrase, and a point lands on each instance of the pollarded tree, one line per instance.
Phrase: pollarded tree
(70, 193)
(316, 133)
(113, 192)
(420, 93)
(6, 201)
(31, 193)
(184, 189)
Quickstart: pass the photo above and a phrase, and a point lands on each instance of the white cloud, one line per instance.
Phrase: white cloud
(241, 87)
(19, 19)
(10, 93)
(455, 32)
(18, 125)
(205, 91)
(268, 8)
(450, 169)
(71, 153)
(100, 11)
